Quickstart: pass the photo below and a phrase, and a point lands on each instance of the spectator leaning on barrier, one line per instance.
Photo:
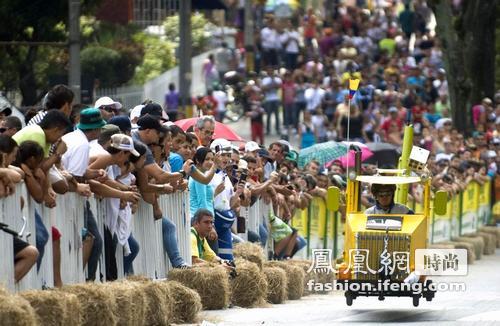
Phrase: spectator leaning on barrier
(60, 97)
(201, 252)
(10, 125)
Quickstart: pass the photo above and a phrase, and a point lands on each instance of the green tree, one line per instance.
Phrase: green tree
(198, 25)
(101, 63)
(467, 34)
(30, 21)
(158, 57)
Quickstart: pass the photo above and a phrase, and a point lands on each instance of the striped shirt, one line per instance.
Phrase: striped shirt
(37, 118)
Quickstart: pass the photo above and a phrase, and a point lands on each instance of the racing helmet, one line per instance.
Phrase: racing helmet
(378, 188)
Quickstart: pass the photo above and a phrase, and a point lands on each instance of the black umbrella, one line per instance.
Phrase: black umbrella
(384, 154)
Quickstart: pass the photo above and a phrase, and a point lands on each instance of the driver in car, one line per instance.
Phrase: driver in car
(384, 198)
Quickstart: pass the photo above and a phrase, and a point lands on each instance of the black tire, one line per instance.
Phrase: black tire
(416, 300)
(349, 298)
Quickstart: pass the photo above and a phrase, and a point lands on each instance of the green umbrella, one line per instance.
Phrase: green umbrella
(322, 152)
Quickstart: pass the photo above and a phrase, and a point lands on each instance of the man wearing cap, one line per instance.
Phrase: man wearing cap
(155, 110)
(204, 130)
(226, 199)
(99, 146)
(108, 107)
(149, 132)
(117, 155)
(251, 148)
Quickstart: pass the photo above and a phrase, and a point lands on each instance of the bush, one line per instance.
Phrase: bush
(101, 63)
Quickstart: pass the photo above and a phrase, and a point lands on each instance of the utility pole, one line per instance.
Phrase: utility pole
(185, 53)
(248, 33)
(74, 79)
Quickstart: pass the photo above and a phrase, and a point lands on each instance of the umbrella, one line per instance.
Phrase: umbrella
(348, 160)
(221, 130)
(383, 154)
(322, 152)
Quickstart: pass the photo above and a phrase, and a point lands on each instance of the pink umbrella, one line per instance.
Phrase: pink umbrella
(348, 160)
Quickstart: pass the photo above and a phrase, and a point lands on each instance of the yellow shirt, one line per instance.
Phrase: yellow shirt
(34, 133)
(203, 251)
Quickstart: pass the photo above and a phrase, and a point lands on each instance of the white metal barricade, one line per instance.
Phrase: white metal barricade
(68, 219)
(176, 207)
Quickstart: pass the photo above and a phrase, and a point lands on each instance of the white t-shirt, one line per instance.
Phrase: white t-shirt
(76, 158)
(271, 95)
(293, 43)
(96, 149)
(222, 201)
(269, 38)
(314, 96)
(221, 98)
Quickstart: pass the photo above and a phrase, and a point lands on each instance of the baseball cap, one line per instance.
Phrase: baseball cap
(150, 122)
(221, 145)
(155, 110)
(109, 130)
(124, 143)
(393, 109)
(251, 146)
(107, 101)
(263, 153)
(123, 122)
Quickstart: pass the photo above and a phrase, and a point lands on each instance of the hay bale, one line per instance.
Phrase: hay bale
(441, 245)
(186, 303)
(157, 309)
(17, 311)
(250, 251)
(276, 284)
(4, 291)
(490, 242)
(211, 283)
(492, 230)
(138, 278)
(249, 287)
(316, 276)
(130, 302)
(97, 304)
(51, 307)
(478, 243)
(295, 278)
(471, 255)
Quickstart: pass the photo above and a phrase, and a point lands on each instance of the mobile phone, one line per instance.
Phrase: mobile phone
(243, 177)
(193, 168)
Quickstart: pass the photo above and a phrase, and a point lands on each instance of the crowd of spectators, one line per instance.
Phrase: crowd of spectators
(125, 155)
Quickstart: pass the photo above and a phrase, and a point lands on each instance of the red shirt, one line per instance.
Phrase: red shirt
(386, 125)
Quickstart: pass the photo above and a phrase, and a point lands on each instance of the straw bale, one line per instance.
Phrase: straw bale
(478, 243)
(441, 245)
(316, 276)
(490, 242)
(158, 307)
(493, 230)
(51, 306)
(211, 283)
(295, 278)
(276, 284)
(16, 311)
(130, 302)
(4, 291)
(185, 302)
(471, 254)
(97, 304)
(250, 251)
(249, 287)
(138, 278)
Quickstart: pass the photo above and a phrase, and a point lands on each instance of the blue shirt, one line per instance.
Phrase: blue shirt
(200, 196)
(176, 162)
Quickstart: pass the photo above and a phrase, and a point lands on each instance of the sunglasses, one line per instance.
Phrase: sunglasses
(109, 109)
(2, 130)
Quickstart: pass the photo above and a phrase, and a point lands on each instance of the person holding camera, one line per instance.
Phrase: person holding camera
(226, 197)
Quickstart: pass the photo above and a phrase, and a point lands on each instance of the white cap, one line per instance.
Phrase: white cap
(107, 101)
(242, 165)
(124, 143)
(440, 123)
(251, 146)
(443, 156)
(221, 145)
(393, 109)
(491, 154)
(136, 111)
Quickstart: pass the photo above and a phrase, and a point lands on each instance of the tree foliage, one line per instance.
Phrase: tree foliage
(198, 35)
(158, 57)
(467, 34)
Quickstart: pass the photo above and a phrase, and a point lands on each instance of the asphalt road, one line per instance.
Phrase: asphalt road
(479, 304)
